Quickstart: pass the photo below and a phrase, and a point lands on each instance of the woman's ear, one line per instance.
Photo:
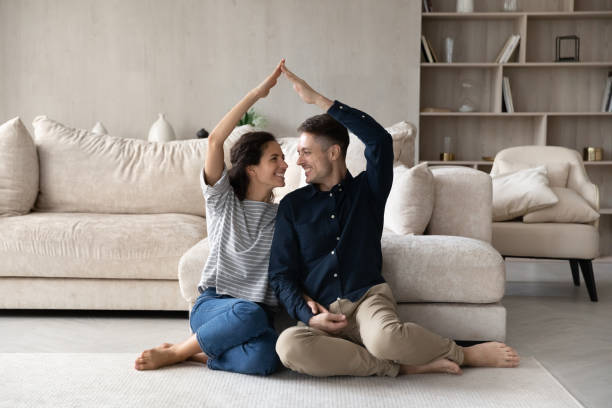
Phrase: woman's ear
(251, 171)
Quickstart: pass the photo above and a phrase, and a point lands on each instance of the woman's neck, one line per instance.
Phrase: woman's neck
(258, 194)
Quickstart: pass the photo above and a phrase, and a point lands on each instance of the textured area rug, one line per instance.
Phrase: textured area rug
(109, 380)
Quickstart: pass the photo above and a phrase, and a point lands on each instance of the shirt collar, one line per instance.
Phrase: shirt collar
(348, 179)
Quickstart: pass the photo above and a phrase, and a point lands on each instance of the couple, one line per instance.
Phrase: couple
(318, 252)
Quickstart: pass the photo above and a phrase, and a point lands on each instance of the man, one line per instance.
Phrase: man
(326, 259)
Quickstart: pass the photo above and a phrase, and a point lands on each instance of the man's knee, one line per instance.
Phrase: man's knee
(290, 346)
(386, 343)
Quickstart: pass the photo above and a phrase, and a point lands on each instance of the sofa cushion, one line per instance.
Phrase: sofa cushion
(546, 240)
(556, 172)
(411, 200)
(570, 208)
(18, 169)
(104, 246)
(439, 268)
(85, 172)
(519, 192)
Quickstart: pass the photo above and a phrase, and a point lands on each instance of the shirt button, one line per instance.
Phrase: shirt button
(340, 189)
(330, 194)
(340, 108)
(337, 238)
(333, 252)
(333, 216)
(335, 275)
(363, 116)
(338, 298)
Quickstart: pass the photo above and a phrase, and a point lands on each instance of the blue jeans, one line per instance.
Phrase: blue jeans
(236, 334)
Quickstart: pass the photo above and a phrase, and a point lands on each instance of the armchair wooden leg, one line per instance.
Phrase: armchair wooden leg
(587, 273)
(575, 271)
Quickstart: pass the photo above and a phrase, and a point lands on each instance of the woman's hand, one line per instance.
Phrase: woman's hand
(264, 88)
(304, 90)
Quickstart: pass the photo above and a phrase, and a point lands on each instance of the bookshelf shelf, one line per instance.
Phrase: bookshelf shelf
(555, 103)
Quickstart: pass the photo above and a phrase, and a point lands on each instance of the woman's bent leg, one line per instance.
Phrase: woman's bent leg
(257, 356)
(226, 323)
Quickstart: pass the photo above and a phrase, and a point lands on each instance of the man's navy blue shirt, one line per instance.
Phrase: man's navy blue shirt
(327, 243)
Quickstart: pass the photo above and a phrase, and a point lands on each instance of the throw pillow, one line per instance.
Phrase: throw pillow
(403, 135)
(411, 200)
(571, 208)
(517, 193)
(18, 169)
(557, 173)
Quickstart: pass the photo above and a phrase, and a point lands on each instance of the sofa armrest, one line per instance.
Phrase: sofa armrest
(462, 203)
(190, 269)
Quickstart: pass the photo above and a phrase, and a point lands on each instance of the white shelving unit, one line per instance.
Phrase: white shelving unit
(556, 103)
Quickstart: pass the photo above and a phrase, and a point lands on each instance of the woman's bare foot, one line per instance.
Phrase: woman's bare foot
(441, 365)
(199, 358)
(491, 354)
(157, 357)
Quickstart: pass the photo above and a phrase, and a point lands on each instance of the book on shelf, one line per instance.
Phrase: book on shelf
(508, 49)
(606, 102)
(428, 52)
(507, 103)
(433, 52)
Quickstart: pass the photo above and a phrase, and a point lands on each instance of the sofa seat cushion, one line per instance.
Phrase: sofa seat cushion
(436, 268)
(546, 240)
(108, 246)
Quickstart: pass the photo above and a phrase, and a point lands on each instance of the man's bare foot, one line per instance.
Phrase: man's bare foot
(199, 358)
(491, 354)
(157, 357)
(441, 365)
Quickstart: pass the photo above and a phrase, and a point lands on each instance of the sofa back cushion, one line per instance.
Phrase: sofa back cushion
(18, 169)
(85, 172)
(410, 201)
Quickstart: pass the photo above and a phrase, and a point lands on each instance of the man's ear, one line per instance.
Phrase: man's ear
(334, 152)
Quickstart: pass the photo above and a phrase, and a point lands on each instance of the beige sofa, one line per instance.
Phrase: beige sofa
(100, 222)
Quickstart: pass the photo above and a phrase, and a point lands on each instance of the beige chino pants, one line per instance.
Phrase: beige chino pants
(374, 342)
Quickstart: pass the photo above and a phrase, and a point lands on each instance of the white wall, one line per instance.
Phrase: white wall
(122, 61)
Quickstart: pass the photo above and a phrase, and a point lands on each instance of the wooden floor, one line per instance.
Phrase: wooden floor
(549, 319)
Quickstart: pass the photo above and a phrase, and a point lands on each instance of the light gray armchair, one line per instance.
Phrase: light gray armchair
(577, 243)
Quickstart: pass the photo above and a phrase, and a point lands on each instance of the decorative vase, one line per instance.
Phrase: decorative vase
(161, 131)
(99, 129)
(465, 6)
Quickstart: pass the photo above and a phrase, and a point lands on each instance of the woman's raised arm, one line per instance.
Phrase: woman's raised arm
(213, 166)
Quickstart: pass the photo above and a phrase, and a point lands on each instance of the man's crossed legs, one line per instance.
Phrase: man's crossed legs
(376, 342)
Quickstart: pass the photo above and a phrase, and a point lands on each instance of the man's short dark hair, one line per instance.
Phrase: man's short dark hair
(327, 130)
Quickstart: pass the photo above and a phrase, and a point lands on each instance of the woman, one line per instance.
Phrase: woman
(232, 318)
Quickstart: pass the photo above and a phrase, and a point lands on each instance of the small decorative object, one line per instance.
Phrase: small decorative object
(99, 129)
(447, 154)
(161, 131)
(465, 6)
(488, 158)
(468, 95)
(568, 48)
(434, 109)
(252, 118)
(448, 48)
(592, 153)
(202, 133)
(510, 5)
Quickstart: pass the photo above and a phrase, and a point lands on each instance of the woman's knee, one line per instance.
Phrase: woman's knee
(250, 312)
